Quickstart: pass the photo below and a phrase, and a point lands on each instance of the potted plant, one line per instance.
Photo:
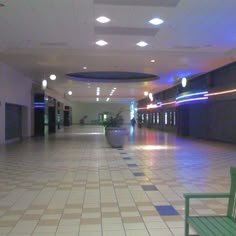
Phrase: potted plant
(114, 131)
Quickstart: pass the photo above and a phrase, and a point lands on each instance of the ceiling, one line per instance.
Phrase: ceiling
(58, 36)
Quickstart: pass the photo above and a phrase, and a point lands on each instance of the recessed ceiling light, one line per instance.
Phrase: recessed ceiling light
(145, 93)
(142, 44)
(152, 61)
(85, 67)
(108, 99)
(156, 21)
(52, 77)
(103, 19)
(101, 43)
(97, 99)
(70, 92)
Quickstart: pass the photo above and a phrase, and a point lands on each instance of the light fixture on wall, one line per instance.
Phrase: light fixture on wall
(44, 84)
(150, 96)
(184, 82)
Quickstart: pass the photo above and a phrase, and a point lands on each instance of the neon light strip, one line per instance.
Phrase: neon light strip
(38, 106)
(190, 95)
(39, 103)
(220, 93)
(192, 99)
(168, 103)
(150, 106)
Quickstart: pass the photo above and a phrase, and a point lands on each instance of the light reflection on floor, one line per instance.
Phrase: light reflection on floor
(154, 147)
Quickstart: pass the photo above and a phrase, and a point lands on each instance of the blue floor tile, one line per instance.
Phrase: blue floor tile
(149, 188)
(166, 210)
(132, 165)
(127, 158)
(139, 174)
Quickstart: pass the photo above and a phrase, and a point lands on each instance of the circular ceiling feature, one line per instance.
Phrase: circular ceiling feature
(112, 76)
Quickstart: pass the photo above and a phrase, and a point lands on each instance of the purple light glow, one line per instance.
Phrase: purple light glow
(192, 99)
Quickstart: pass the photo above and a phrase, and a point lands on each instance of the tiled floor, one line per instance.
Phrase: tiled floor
(75, 184)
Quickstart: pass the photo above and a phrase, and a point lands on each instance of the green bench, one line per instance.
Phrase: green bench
(214, 225)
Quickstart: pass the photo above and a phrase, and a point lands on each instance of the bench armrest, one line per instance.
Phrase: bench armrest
(206, 195)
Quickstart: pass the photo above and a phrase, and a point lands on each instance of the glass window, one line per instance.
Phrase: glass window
(166, 118)
(154, 118)
(171, 118)
(174, 118)
(158, 118)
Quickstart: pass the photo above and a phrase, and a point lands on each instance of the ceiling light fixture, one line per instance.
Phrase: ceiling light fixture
(142, 44)
(85, 67)
(156, 21)
(152, 61)
(97, 99)
(103, 19)
(108, 99)
(146, 93)
(70, 93)
(53, 77)
(101, 43)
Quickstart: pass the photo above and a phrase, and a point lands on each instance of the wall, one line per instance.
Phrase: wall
(92, 110)
(15, 88)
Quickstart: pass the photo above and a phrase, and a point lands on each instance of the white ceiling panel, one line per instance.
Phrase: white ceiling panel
(154, 3)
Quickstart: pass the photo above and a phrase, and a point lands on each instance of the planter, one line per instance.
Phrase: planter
(116, 136)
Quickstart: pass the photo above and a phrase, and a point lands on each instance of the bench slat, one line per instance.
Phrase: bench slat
(228, 223)
(199, 227)
(213, 225)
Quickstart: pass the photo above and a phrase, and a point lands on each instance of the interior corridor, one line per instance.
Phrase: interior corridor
(73, 183)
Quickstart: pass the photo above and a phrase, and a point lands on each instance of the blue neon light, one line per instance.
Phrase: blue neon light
(39, 103)
(191, 95)
(39, 107)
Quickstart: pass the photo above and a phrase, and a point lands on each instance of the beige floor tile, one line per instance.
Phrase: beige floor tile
(162, 232)
(114, 233)
(140, 232)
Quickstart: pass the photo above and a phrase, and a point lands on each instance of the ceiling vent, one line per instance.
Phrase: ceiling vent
(126, 31)
(151, 3)
(185, 47)
(53, 44)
